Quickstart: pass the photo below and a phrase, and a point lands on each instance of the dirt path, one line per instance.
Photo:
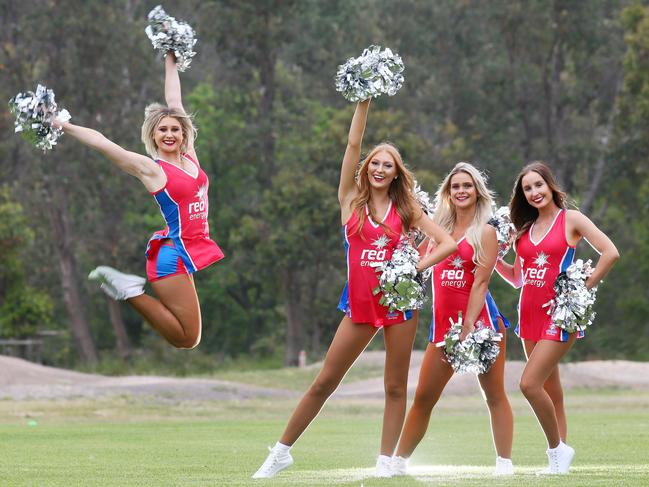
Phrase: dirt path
(20, 379)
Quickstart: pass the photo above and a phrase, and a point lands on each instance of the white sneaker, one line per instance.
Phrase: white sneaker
(559, 460)
(399, 466)
(504, 466)
(383, 466)
(116, 284)
(276, 461)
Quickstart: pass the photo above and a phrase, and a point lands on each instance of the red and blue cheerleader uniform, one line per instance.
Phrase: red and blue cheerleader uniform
(541, 263)
(373, 245)
(452, 281)
(184, 247)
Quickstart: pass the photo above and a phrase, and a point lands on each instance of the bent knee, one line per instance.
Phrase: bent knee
(189, 342)
(529, 388)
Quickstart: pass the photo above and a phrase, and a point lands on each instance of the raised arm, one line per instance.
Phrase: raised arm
(173, 93)
(480, 285)
(582, 226)
(347, 187)
(445, 245)
(143, 168)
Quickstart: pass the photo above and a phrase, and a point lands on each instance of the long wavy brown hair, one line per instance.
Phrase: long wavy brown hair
(521, 212)
(400, 191)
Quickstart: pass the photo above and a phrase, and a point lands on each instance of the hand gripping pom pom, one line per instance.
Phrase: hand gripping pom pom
(401, 285)
(168, 34)
(476, 353)
(371, 74)
(34, 115)
(572, 307)
(504, 229)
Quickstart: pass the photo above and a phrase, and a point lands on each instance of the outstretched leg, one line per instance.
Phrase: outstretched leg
(399, 340)
(500, 411)
(177, 314)
(348, 343)
(434, 374)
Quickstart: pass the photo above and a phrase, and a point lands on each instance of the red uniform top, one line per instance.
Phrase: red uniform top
(372, 245)
(452, 281)
(184, 205)
(541, 263)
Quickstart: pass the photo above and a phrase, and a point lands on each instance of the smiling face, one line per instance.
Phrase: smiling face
(168, 135)
(462, 190)
(381, 170)
(536, 190)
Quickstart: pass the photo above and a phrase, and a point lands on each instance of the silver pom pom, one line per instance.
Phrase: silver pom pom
(34, 114)
(402, 287)
(168, 34)
(476, 353)
(371, 74)
(424, 201)
(423, 198)
(505, 229)
(572, 307)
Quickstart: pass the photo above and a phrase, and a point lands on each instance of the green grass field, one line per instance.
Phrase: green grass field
(124, 441)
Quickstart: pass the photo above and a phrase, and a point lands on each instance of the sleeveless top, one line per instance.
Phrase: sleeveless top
(452, 280)
(541, 263)
(371, 246)
(184, 205)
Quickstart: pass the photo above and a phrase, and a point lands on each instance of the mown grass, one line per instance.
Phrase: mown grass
(123, 441)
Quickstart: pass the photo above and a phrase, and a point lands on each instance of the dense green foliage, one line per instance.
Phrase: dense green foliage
(495, 83)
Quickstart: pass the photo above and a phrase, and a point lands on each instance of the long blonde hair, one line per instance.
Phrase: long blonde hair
(400, 191)
(153, 114)
(446, 216)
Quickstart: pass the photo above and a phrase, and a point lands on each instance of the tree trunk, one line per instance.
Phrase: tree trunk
(294, 328)
(521, 101)
(267, 59)
(58, 216)
(124, 348)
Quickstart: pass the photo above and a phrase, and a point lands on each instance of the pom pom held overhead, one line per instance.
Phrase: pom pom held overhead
(168, 34)
(373, 73)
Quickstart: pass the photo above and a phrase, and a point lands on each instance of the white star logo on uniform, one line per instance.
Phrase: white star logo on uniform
(202, 191)
(541, 259)
(458, 262)
(381, 242)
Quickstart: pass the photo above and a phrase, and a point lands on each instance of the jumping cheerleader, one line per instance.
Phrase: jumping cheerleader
(175, 179)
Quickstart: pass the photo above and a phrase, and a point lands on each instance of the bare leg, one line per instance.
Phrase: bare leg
(500, 411)
(348, 343)
(399, 340)
(177, 315)
(553, 387)
(434, 374)
(542, 362)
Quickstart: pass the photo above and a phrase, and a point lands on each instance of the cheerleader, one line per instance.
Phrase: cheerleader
(377, 208)
(461, 283)
(174, 178)
(547, 234)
